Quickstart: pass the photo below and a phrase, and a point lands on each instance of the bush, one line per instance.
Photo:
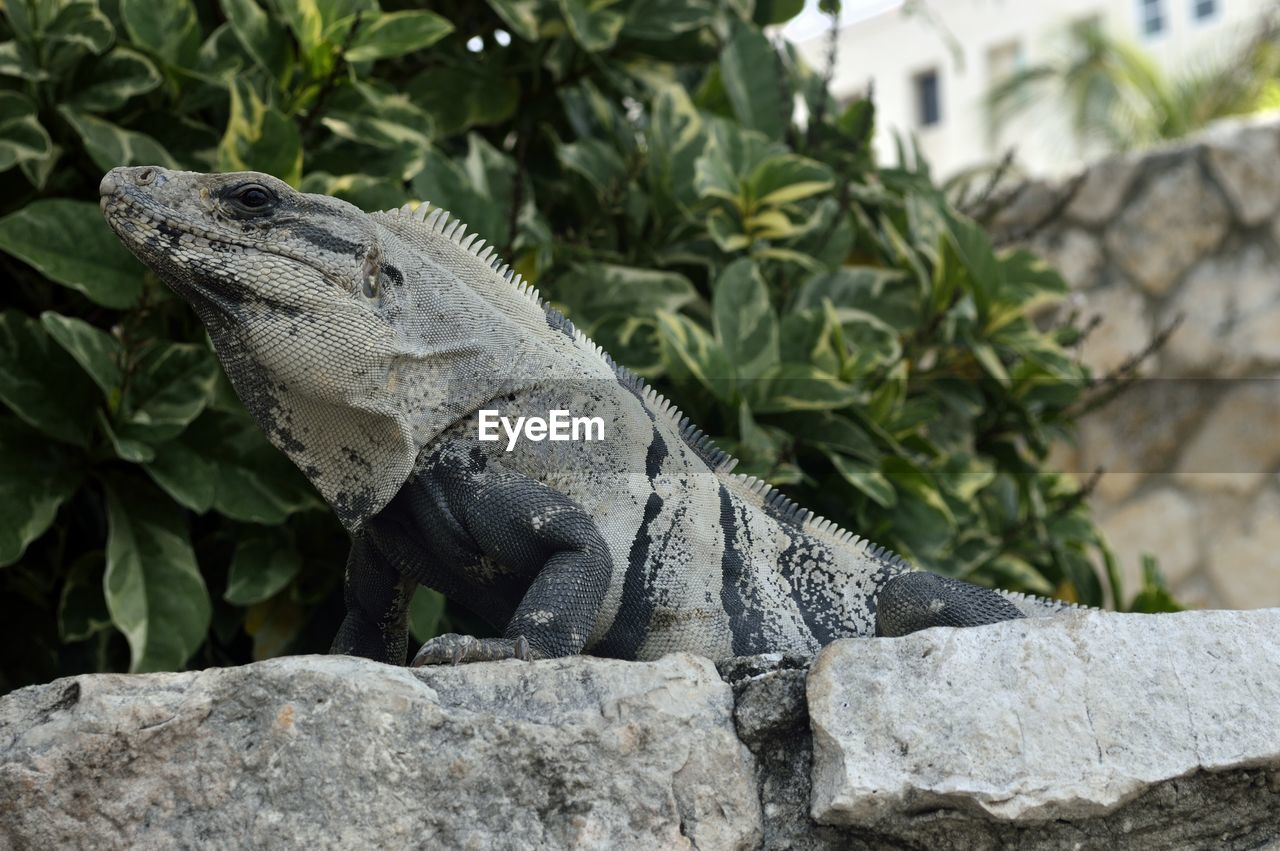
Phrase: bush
(837, 325)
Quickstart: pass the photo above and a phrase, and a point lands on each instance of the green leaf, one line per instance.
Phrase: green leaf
(79, 28)
(520, 16)
(22, 137)
(595, 160)
(68, 242)
(595, 290)
(223, 461)
(593, 24)
(478, 189)
(662, 20)
(82, 608)
(261, 36)
(789, 178)
(689, 350)
(98, 353)
(185, 472)
(864, 478)
(744, 321)
(425, 611)
(749, 69)
(36, 477)
(802, 387)
(259, 138)
(110, 146)
(397, 33)
(154, 590)
(41, 383)
(168, 388)
(265, 561)
(169, 29)
(113, 79)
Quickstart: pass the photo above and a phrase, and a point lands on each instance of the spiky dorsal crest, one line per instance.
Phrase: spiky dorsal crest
(438, 221)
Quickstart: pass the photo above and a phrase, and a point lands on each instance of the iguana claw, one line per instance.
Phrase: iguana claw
(454, 649)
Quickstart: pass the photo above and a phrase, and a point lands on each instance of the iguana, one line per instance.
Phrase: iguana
(365, 344)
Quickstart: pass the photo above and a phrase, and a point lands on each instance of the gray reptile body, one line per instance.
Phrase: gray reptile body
(365, 345)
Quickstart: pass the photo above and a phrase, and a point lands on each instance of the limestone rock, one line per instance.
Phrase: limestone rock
(1176, 218)
(340, 752)
(1104, 187)
(1161, 523)
(1242, 561)
(1076, 254)
(1236, 449)
(1123, 332)
(1097, 719)
(1231, 306)
(1242, 157)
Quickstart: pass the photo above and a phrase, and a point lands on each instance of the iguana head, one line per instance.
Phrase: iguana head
(298, 296)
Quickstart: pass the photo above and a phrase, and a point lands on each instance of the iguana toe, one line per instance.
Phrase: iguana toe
(454, 649)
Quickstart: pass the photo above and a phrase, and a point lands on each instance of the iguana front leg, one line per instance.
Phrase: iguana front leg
(377, 597)
(530, 530)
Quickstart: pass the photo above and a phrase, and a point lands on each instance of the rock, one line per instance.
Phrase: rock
(340, 752)
(1175, 219)
(1123, 332)
(1089, 730)
(1242, 559)
(1161, 523)
(1231, 310)
(1235, 448)
(1104, 187)
(1076, 254)
(1242, 157)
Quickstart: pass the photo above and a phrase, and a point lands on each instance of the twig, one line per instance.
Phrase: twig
(1104, 389)
(976, 208)
(1059, 205)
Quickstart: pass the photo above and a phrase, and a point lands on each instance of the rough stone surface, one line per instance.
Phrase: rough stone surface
(1242, 155)
(1159, 521)
(1090, 730)
(1190, 230)
(1231, 310)
(1124, 329)
(339, 752)
(1103, 189)
(1172, 223)
(1235, 449)
(1137, 731)
(1251, 537)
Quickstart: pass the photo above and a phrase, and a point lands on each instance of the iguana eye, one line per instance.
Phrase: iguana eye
(254, 198)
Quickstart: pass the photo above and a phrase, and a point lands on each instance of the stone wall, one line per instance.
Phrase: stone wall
(1066, 732)
(1191, 452)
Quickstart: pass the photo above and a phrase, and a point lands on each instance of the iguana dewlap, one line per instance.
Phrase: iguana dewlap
(365, 344)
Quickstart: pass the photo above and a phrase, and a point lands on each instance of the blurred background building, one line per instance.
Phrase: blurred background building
(1081, 77)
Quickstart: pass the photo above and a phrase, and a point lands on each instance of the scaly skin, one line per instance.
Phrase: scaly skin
(364, 345)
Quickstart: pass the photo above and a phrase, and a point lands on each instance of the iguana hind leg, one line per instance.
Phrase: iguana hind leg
(531, 530)
(918, 600)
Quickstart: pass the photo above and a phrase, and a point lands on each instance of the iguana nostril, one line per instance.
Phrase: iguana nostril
(145, 176)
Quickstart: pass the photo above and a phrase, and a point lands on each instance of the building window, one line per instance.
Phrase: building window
(1203, 9)
(1151, 16)
(1003, 61)
(928, 101)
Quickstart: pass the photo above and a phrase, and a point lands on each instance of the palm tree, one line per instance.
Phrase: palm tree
(1116, 95)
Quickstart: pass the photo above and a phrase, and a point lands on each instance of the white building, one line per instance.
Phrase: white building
(932, 69)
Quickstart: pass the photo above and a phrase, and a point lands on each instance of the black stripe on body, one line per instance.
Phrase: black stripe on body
(321, 238)
(631, 624)
(745, 618)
